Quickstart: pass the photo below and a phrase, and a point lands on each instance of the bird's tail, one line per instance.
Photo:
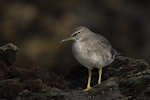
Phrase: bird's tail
(116, 53)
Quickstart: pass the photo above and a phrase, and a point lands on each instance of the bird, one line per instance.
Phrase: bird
(91, 50)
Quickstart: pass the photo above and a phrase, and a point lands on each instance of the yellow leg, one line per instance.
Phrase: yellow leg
(89, 80)
(100, 74)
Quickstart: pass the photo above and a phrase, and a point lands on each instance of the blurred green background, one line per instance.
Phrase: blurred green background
(37, 26)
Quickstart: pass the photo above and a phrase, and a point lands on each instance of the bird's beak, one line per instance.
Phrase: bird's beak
(66, 39)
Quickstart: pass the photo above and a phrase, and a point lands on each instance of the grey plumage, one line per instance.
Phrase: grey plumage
(91, 50)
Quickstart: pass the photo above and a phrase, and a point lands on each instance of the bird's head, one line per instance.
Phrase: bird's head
(79, 34)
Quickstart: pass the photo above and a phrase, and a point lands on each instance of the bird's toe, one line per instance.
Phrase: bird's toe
(87, 89)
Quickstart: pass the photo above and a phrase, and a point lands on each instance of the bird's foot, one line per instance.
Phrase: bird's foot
(87, 89)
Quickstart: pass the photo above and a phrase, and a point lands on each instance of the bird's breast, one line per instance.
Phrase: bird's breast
(89, 58)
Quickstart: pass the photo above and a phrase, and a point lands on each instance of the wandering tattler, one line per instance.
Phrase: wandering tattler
(91, 50)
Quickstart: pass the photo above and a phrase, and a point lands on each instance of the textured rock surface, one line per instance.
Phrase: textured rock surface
(132, 79)
(124, 79)
(8, 53)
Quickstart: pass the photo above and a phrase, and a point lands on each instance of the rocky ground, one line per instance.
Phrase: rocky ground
(124, 79)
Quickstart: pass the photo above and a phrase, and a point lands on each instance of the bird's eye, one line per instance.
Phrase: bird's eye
(74, 34)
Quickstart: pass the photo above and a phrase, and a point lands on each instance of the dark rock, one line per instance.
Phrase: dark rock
(144, 95)
(8, 53)
(133, 77)
(137, 83)
(78, 77)
(10, 72)
(35, 85)
(10, 88)
(124, 79)
(1, 75)
(107, 91)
